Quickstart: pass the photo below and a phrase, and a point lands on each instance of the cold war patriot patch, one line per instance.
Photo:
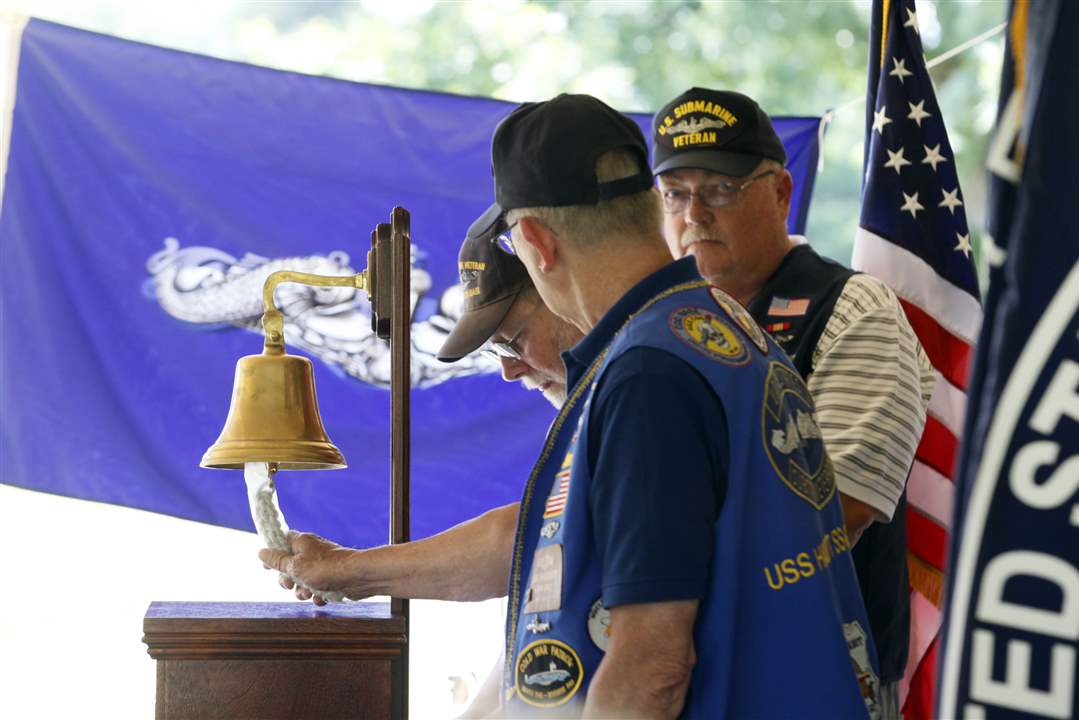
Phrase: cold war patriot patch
(548, 673)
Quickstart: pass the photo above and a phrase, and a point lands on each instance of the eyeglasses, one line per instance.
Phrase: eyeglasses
(504, 240)
(676, 200)
(497, 349)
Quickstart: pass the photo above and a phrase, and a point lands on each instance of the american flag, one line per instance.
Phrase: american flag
(556, 503)
(913, 234)
(785, 307)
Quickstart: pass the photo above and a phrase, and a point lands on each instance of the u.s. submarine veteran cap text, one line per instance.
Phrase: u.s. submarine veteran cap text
(543, 154)
(717, 130)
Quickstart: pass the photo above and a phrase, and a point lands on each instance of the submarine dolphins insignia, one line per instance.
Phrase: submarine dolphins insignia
(211, 289)
(800, 428)
(695, 125)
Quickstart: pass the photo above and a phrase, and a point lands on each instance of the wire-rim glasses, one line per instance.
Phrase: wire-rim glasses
(498, 349)
(676, 200)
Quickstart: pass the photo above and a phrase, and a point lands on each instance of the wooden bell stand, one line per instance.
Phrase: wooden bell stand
(288, 660)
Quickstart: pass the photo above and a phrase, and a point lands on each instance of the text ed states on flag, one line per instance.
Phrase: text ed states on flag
(1011, 628)
(148, 193)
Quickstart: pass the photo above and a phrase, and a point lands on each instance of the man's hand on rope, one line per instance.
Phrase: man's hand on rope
(313, 562)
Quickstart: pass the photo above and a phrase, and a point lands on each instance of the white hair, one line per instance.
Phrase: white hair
(637, 216)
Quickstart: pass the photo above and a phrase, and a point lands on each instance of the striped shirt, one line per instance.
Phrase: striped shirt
(871, 382)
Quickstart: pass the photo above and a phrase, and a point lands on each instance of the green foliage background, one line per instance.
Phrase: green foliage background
(796, 57)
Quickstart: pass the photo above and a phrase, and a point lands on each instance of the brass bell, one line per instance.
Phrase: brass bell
(274, 418)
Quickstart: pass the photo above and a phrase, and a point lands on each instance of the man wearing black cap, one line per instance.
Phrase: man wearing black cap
(720, 168)
(504, 314)
(680, 547)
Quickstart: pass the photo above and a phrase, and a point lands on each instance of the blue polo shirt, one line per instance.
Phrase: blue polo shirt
(657, 440)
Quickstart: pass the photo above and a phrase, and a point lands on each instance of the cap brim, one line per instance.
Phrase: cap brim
(489, 224)
(475, 328)
(734, 164)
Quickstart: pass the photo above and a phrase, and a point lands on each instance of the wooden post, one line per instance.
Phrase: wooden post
(400, 394)
(390, 269)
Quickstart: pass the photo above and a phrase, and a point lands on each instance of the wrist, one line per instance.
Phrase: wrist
(363, 575)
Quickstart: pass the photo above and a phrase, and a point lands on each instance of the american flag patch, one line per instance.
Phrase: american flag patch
(557, 502)
(785, 307)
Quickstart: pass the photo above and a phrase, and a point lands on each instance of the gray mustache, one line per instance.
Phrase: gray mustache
(693, 235)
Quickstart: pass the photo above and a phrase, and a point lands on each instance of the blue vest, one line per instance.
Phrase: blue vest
(782, 624)
(880, 557)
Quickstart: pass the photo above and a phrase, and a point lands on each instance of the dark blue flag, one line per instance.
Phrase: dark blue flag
(1011, 630)
(147, 195)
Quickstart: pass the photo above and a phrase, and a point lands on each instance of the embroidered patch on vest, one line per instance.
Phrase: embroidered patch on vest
(556, 502)
(868, 682)
(547, 673)
(777, 327)
(599, 624)
(706, 333)
(741, 316)
(792, 439)
(787, 307)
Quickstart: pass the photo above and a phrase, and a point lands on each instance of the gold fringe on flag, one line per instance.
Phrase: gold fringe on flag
(926, 579)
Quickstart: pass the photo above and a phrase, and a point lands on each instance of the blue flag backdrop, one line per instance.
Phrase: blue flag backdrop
(1011, 632)
(149, 192)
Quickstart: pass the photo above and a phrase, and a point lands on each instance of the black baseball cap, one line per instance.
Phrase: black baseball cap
(492, 279)
(543, 154)
(717, 130)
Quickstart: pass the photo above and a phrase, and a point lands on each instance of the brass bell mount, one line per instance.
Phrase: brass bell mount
(273, 321)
